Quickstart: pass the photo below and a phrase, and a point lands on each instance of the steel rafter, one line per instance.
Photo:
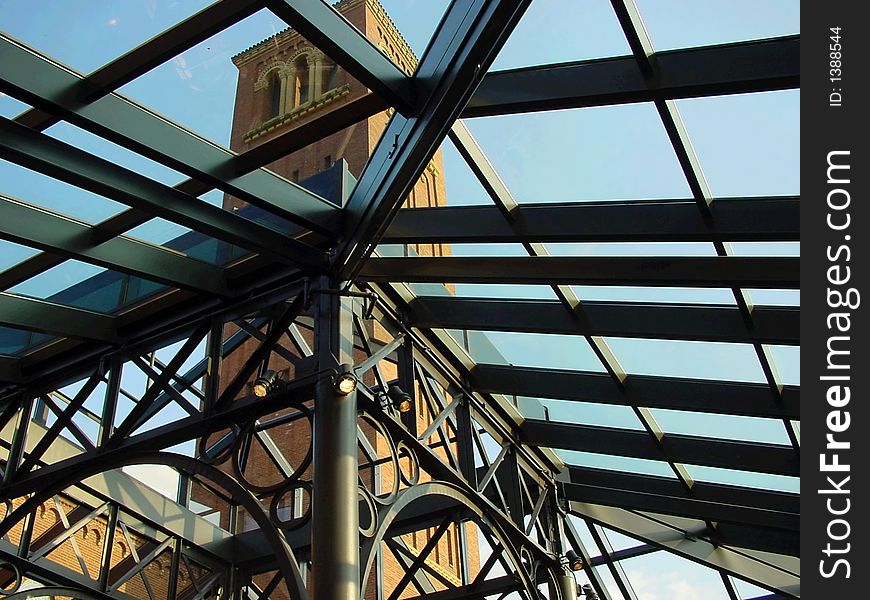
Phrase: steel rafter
(56, 319)
(52, 87)
(53, 232)
(60, 160)
(685, 537)
(680, 271)
(734, 219)
(749, 456)
(767, 500)
(464, 45)
(774, 325)
(698, 395)
(741, 68)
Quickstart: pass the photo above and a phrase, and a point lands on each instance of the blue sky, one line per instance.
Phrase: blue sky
(748, 146)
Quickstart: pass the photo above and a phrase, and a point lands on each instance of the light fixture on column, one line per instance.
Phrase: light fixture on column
(575, 563)
(587, 590)
(266, 383)
(345, 380)
(400, 398)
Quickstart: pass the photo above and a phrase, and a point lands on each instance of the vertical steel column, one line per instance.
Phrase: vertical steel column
(335, 508)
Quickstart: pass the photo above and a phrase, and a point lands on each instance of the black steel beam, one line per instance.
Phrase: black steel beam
(739, 68)
(55, 319)
(719, 493)
(734, 219)
(719, 323)
(466, 42)
(675, 393)
(680, 271)
(38, 227)
(324, 27)
(696, 450)
(683, 507)
(54, 158)
(47, 85)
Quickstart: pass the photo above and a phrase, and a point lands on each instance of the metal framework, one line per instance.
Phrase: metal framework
(317, 297)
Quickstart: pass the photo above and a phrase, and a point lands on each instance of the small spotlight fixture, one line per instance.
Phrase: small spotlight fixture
(266, 383)
(575, 563)
(345, 380)
(588, 591)
(400, 398)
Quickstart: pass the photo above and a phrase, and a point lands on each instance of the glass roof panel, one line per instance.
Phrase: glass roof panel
(748, 144)
(12, 253)
(654, 294)
(114, 153)
(580, 155)
(626, 464)
(480, 290)
(85, 35)
(544, 351)
(587, 413)
(775, 297)
(55, 195)
(766, 248)
(10, 107)
(633, 249)
(585, 31)
(15, 341)
(197, 88)
(716, 21)
(666, 575)
(697, 360)
(788, 363)
(181, 239)
(781, 483)
(86, 286)
(463, 186)
(728, 427)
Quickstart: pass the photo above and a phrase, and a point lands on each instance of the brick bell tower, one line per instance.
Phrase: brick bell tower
(285, 82)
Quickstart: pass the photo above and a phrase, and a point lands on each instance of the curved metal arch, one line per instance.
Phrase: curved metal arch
(284, 557)
(53, 592)
(439, 488)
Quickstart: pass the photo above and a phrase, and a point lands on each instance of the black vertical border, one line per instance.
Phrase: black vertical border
(826, 128)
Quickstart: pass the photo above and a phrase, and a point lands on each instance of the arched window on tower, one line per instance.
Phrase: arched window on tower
(329, 75)
(274, 95)
(302, 89)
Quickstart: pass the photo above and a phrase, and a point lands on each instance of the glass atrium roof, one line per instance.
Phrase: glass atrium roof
(622, 217)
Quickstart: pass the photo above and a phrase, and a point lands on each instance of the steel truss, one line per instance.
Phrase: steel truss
(464, 472)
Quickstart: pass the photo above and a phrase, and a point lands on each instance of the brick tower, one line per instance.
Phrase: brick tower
(284, 83)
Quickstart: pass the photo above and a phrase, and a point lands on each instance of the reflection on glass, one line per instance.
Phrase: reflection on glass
(13, 341)
(78, 284)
